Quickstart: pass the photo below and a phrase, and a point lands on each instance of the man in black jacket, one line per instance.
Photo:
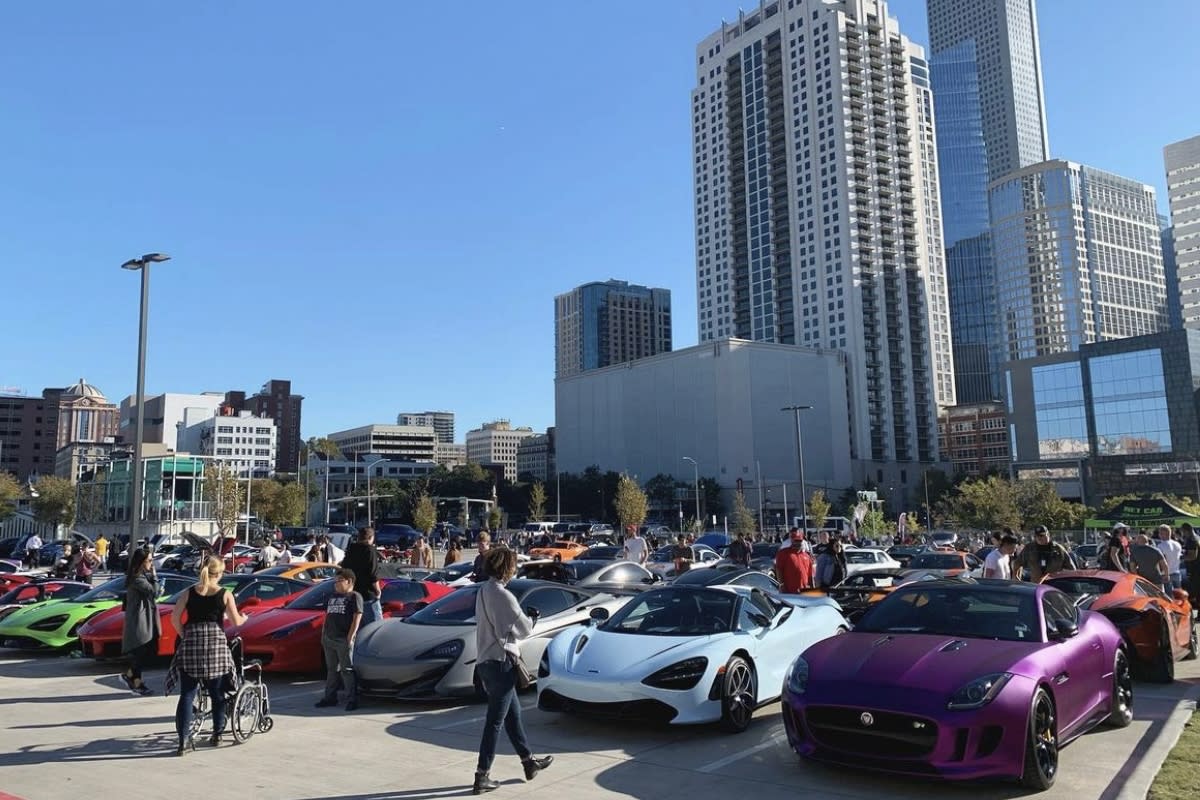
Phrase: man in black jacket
(362, 558)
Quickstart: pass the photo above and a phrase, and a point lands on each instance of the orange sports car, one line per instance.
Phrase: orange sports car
(310, 571)
(1157, 626)
(559, 551)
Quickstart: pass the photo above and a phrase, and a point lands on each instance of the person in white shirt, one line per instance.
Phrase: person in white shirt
(32, 545)
(267, 556)
(1172, 551)
(998, 563)
(635, 548)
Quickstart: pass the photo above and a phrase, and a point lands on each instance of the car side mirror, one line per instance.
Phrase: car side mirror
(532, 613)
(599, 615)
(1065, 629)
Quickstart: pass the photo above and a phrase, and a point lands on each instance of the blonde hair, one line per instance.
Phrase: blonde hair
(210, 572)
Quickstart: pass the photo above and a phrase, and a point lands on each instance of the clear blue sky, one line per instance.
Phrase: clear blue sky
(379, 200)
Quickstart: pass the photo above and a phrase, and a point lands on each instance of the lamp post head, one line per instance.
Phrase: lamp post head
(149, 258)
(795, 408)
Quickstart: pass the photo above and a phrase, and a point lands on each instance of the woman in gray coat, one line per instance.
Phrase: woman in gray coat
(139, 640)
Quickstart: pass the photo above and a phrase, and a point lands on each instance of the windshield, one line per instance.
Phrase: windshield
(1078, 586)
(607, 552)
(968, 612)
(936, 561)
(314, 599)
(676, 612)
(859, 557)
(764, 550)
(456, 608)
(110, 590)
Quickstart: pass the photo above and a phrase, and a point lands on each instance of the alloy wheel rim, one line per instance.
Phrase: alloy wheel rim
(740, 692)
(1125, 688)
(1045, 738)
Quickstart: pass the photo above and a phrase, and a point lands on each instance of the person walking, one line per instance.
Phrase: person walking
(831, 565)
(681, 554)
(1043, 557)
(998, 563)
(422, 554)
(363, 560)
(635, 549)
(343, 615)
(1115, 554)
(1173, 553)
(33, 549)
(101, 550)
(203, 657)
(739, 550)
(499, 624)
(479, 568)
(143, 626)
(793, 566)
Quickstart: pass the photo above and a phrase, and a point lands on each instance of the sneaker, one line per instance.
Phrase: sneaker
(326, 702)
(483, 783)
(128, 682)
(143, 690)
(351, 705)
(535, 765)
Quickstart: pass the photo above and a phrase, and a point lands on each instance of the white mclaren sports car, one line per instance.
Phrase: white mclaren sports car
(684, 655)
(432, 652)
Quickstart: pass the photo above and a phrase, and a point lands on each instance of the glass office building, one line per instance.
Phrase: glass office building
(990, 116)
(610, 322)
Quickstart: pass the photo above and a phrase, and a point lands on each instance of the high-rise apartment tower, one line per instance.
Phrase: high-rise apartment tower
(817, 211)
(1183, 193)
(611, 322)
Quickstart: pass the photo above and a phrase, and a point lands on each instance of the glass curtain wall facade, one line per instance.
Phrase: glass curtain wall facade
(1129, 403)
(611, 322)
(1061, 411)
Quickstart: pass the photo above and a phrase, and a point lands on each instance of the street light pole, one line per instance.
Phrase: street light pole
(696, 469)
(142, 264)
(370, 518)
(800, 459)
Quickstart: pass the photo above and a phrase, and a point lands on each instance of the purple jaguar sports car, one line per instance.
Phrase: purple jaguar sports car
(961, 679)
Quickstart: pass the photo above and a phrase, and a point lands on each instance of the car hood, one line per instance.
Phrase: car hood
(916, 660)
(606, 653)
(400, 640)
(49, 608)
(108, 621)
(266, 623)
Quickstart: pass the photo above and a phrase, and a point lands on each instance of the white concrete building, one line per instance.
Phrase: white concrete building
(718, 403)
(244, 442)
(496, 443)
(168, 415)
(451, 454)
(1182, 161)
(340, 485)
(441, 421)
(817, 218)
(412, 442)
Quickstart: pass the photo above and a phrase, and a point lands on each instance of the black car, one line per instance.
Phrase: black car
(597, 575)
(904, 552)
(603, 552)
(396, 535)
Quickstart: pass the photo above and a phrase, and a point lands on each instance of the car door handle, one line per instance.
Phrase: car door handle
(1061, 678)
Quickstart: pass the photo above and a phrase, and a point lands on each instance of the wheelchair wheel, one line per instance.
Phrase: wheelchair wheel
(246, 711)
(266, 724)
(200, 712)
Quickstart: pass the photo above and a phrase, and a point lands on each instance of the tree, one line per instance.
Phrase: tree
(985, 504)
(876, 524)
(424, 514)
(660, 491)
(537, 501)
(290, 504)
(54, 500)
(630, 503)
(10, 490)
(818, 510)
(495, 517)
(264, 493)
(1040, 504)
(225, 494)
(324, 446)
(743, 519)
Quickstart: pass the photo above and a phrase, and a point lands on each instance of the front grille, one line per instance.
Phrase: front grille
(889, 735)
(646, 710)
(417, 687)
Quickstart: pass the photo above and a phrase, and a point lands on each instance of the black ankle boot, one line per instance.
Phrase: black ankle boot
(483, 783)
(187, 744)
(535, 765)
(214, 740)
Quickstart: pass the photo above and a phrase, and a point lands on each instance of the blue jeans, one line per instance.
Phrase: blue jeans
(504, 708)
(372, 612)
(187, 695)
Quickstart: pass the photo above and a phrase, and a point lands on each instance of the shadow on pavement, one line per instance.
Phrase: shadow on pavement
(162, 745)
(97, 723)
(463, 790)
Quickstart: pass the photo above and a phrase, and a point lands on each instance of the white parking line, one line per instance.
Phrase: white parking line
(749, 751)
(475, 719)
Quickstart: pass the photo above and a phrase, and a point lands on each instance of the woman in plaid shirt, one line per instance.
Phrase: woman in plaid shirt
(203, 656)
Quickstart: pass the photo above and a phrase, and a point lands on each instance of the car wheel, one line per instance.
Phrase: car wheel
(1193, 644)
(1122, 693)
(739, 695)
(1163, 668)
(1041, 746)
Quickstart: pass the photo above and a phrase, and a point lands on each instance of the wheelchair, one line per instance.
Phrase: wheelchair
(247, 701)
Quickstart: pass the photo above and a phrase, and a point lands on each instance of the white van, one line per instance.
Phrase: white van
(538, 528)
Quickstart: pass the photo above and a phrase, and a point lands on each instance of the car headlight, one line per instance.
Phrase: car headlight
(446, 650)
(797, 677)
(979, 692)
(49, 623)
(544, 664)
(681, 675)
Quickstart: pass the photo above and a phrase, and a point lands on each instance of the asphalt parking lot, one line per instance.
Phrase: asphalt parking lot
(68, 728)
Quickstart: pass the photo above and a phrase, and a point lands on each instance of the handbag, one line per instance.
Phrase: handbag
(522, 679)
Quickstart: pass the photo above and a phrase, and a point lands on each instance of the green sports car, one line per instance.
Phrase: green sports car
(55, 623)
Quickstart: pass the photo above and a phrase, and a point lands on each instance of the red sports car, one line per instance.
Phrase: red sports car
(288, 639)
(23, 594)
(10, 579)
(1156, 626)
(100, 637)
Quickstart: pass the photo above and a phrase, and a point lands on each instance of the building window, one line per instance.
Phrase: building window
(1059, 408)
(1129, 402)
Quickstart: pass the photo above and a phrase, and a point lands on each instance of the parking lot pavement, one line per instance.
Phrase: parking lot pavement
(69, 729)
